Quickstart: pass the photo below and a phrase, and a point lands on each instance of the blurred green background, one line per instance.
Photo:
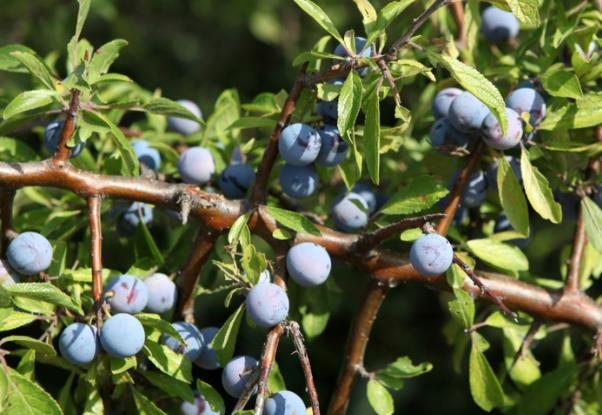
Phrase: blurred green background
(195, 49)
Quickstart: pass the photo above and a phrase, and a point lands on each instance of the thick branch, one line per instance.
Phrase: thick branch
(94, 208)
(63, 151)
(7, 197)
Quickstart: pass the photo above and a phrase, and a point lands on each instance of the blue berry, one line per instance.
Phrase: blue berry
(208, 359)
(530, 101)
(29, 253)
(267, 304)
(185, 126)
(298, 181)
(475, 191)
(7, 275)
(236, 374)
(466, 112)
(147, 155)
(328, 110)
(498, 25)
(350, 212)
(443, 133)
(195, 344)
(78, 343)
(128, 222)
(492, 131)
(299, 144)
(52, 138)
(369, 194)
(200, 406)
(333, 149)
(196, 165)
(235, 180)
(162, 293)
(308, 264)
(122, 335)
(128, 294)
(431, 255)
(443, 100)
(285, 403)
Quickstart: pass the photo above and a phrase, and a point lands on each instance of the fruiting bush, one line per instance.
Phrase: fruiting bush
(429, 144)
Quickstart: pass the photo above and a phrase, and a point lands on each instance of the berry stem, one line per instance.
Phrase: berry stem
(295, 331)
(94, 207)
(267, 362)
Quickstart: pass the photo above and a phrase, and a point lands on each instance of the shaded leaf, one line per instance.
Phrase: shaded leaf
(538, 191)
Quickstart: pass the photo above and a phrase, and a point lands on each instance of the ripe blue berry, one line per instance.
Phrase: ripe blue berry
(52, 138)
(530, 101)
(236, 374)
(235, 180)
(196, 165)
(285, 403)
(200, 406)
(431, 255)
(369, 194)
(350, 212)
(29, 253)
(492, 131)
(308, 264)
(195, 344)
(147, 155)
(333, 149)
(299, 144)
(328, 110)
(7, 275)
(475, 191)
(208, 359)
(78, 343)
(443, 100)
(128, 222)
(466, 112)
(161, 293)
(185, 126)
(443, 133)
(298, 181)
(267, 304)
(122, 335)
(498, 25)
(128, 294)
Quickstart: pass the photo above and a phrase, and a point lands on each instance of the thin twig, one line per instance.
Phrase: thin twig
(63, 151)
(7, 197)
(458, 12)
(579, 242)
(94, 208)
(382, 64)
(294, 331)
(526, 343)
(247, 391)
(267, 362)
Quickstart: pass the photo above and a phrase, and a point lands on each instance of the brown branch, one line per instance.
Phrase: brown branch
(458, 12)
(247, 391)
(382, 64)
(63, 151)
(94, 208)
(267, 362)
(295, 331)
(579, 243)
(7, 197)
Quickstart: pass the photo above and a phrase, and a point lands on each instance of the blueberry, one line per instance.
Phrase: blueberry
(443, 100)
(236, 374)
(285, 403)
(498, 25)
(122, 335)
(52, 138)
(78, 343)
(267, 304)
(530, 101)
(29, 253)
(431, 255)
(208, 359)
(185, 126)
(466, 112)
(493, 168)
(298, 181)
(235, 180)
(129, 220)
(475, 191)
(147, 155)
(443, 133)
(161, 293)
(7, 275)
(200, 406)
(129, 294)
(196, 165)
(369, 194)
(333, 149)
(299, 144)
(195, 344)
(350, 212)
(328, 110)
(492, 131)
(308, 264)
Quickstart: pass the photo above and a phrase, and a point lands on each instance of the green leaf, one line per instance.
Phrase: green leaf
(82, 15)
(166, 106)
(225, 339)
(316, 13)
(499, 254)
(584, 112)
(462, 308)
(293, 220)
(484, 385)
(42, 291)
(145, 243)
(36, 67)
(372, 135)
(385, 17)
(403, 368)
(119, 365)
(276, 380)
(10, 63)
(559, 82)
(541, 396)
(41, 347)
(213, 398)
(144, 405)
(28, 100)
(368, 12)
(314, 307)
(379, 398)
(27, 398)
(167, 361)
(17, 150)
(237, 227)
(173, 387)
(252, 122)
(538, 190)
(103, 58)
(156, 322)
(512, 198)
(475, 83)
(27, 364)
(592, 215)
(421, 194)
(10, 319)
(349, 103)
(527, 11)
(313, 55)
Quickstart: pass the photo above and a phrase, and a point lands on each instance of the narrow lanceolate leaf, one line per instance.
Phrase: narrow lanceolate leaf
(379, 397)
(144, 405)
(36, 67)
(43, 291)
(349, 103)
(225, 339)
(462, 308)
(372, 136)
(320, 17)
(584, 112)
(166, 106)
(484, 385)
(28, 100)
(559, 82)
(173, 387)
(527, 11)
(237, 228)
(25, 397)
(293, 220)
(167, 361)
(538, 191)
(211, 396)
(475, 83)
(592, 215)
(8, 62)
(30, 343)
(499, 254)
(421, 194)
(512, 198)
(82, 14)
(385, 16)
(103, 58)
(368, 12)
